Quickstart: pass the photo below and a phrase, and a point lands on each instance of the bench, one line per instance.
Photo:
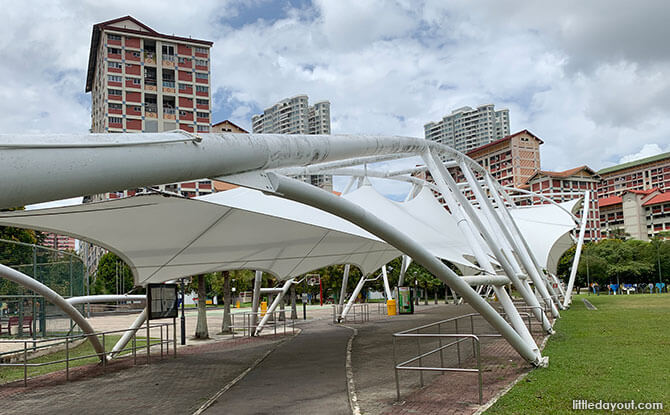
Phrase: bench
(26, 323)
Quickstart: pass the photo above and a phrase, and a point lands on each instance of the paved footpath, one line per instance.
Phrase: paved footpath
(305, 374)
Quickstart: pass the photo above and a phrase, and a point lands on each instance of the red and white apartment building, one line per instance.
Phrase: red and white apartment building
(60, 242)
(145, 81)
(634, 196)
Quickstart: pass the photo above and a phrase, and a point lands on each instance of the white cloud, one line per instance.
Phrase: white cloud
(647, 150)
(590, 78)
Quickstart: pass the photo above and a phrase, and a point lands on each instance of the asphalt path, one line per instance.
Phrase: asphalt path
(305, 375)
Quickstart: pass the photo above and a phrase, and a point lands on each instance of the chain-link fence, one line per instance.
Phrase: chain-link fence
(22, 312)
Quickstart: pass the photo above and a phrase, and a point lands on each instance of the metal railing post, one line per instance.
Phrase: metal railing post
(418, 350)
(25, 364)
(104, 352)
(174, 337)
(479, 371)
(161, 337)
(148, 344)
(135, 348)
(439, 331)
(395, 369)
(67, 358)
(458, 345)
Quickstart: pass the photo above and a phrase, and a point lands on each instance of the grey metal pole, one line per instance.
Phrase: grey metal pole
(310, 195)
(255, 301)
(183, 316)
(345, 281)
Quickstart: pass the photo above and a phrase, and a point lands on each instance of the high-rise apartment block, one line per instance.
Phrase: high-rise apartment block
(466, 128)
(144, 81)
(293, 116)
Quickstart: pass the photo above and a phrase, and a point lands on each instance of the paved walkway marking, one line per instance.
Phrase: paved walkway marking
(351, 385)
(239, 377)
(588, 304)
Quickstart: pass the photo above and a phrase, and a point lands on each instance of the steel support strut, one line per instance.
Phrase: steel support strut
(273, 306)
(578, 251)
(256, 299)
(127, 336)
(456, 199)
(310, 195)
(506, 239)
(55, 299)
(345, 281)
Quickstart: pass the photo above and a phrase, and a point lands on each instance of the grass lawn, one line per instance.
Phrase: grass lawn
(617, 353)
(12, 373)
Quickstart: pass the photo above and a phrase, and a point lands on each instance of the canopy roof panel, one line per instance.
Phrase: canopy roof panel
(545, 228)
(422, 218)
(163, 238)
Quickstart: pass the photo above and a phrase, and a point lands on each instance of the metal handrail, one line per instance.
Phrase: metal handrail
(163, 340)
(462, 337)
(247, 329)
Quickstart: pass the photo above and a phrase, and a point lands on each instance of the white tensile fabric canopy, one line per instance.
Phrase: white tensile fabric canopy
(546, 229)
(163, 238)
(422, 218)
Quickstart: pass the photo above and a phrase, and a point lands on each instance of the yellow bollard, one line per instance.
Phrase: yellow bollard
(264, 307)
(390, 307)
(237, 304)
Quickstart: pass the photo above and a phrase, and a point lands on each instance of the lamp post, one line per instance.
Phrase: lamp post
(183, 317)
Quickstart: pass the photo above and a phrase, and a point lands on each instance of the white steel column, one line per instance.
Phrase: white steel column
(127, 336)
(310, 195)
(487, 208)
(456, 201)
(352, 299)
(522, 248)
(578, 251)
(256, 299)
(273, 306)
(345, 281)
(387, 288)
(406, 262)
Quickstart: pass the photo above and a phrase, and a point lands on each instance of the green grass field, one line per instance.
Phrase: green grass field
(618, 353)
(12, 373)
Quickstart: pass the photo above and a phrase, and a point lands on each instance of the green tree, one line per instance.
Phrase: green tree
(113, 276)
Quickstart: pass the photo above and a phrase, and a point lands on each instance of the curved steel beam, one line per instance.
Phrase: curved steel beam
(105, 298)
(305, 193)
(55, 299)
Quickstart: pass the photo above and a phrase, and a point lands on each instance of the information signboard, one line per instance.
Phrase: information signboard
(162, 300)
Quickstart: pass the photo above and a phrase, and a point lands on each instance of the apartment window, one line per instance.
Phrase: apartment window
(114, 78)
(115, 65)
(201, 62)
(184, 60)
(136, 54)
(137, 81)
(137, 109)
(200, 75)
(203, 128)
(199, 101)
(116, 92)
(183, 87)
(113, 106)
(183, 113)
(114, 51)
(115, 120)
(200, 50)
(202, 114)
(200, 88)
(168, 50)
(113, 37)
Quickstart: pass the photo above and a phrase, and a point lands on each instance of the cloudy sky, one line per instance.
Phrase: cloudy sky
(592, 79)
